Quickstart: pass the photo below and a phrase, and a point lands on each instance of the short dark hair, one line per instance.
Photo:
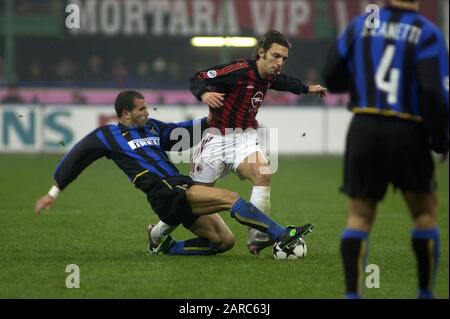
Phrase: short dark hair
(125, 101)
(269, 38)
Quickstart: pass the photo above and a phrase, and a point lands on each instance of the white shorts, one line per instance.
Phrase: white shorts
(217, 155)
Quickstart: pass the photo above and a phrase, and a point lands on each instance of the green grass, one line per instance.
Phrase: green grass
(99, 223)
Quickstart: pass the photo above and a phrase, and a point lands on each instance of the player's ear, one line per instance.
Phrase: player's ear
(126, 114)
(261, 53)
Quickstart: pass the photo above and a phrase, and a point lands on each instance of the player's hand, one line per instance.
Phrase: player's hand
(45, 201)
(213, 99)
(318, 89)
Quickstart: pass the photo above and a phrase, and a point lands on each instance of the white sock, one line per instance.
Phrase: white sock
(160, 230)
(261, 198)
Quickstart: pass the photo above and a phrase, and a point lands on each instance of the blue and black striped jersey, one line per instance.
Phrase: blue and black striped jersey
(396, 68)
(137, 151)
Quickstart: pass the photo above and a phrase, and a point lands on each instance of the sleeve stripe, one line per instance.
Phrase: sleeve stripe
(227, 69)
(232, 68)
(102, 138)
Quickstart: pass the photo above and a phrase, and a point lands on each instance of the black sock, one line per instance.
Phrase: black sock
(354, 251)
(426, 247)
(195, 246)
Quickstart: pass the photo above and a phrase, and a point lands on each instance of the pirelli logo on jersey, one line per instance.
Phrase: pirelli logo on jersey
(148, 141)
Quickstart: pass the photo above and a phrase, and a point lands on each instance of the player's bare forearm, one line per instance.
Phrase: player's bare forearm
(45, 201)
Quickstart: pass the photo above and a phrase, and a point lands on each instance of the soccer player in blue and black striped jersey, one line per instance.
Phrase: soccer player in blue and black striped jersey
(138, 146)
(396, 70)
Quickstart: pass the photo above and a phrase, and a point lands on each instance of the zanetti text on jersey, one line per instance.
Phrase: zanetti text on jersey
(394, 31)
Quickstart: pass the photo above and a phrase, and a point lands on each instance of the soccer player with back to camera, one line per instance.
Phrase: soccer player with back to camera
(138, 146)
(234, 93)
(397, 76)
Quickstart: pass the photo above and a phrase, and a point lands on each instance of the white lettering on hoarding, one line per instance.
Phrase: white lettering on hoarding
(188, 17)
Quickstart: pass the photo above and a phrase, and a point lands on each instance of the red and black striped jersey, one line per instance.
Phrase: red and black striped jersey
(244, 92)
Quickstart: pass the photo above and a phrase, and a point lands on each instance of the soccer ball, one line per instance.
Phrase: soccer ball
(296, 251)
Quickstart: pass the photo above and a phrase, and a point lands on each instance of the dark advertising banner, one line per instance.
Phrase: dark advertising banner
(307, 19)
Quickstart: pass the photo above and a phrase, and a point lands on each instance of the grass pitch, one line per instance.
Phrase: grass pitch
(99, 223)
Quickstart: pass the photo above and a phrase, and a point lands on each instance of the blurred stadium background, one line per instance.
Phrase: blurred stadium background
(146, 45)
(57, 84)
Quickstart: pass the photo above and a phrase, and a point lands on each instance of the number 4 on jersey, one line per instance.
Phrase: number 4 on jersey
(389, 86)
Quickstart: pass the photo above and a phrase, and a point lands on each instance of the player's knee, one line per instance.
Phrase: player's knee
(232, 197)
(362, 211)
(227, 242)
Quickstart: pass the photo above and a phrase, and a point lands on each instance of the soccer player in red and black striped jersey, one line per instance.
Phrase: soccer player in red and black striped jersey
(137, 144)
(234, 93)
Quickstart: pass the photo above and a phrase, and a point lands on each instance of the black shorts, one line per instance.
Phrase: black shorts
(382, 150)
(168, 199)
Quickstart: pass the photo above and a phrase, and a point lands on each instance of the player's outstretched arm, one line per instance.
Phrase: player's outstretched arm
(318, 89)
(45, 201)
(86, 151)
